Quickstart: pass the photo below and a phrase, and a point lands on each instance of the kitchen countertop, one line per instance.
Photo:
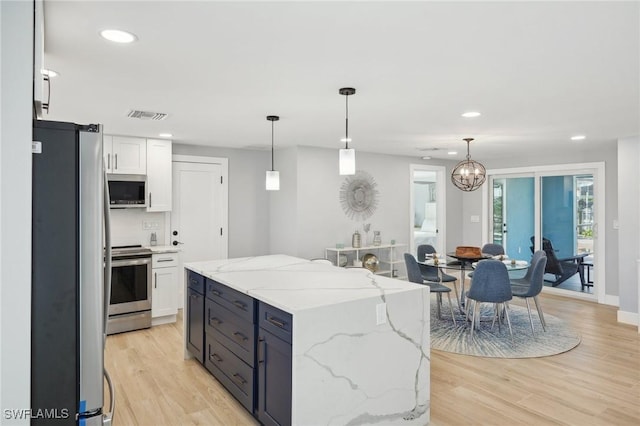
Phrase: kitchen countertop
(293, 284)
(360, 341)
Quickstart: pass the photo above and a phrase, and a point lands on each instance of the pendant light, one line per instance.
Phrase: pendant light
(468, 175)
(272, 182)
(347, 155)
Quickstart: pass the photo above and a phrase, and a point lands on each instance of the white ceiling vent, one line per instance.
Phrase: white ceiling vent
(147, 115)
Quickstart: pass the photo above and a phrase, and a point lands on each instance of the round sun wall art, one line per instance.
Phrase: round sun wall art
(359, 196)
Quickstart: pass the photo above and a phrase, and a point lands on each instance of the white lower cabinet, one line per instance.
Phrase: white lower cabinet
(164, 287)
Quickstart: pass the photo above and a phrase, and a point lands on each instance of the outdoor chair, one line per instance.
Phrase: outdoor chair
(561, 269)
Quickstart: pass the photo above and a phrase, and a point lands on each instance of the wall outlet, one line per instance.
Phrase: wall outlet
(147, 225)
(381, 313)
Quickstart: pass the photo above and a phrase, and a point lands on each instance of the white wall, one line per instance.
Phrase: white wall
(629, 221)
(16, 39)
(283, 223)
(319, 220)
(248, 199)
(127, 227)
(572, 154)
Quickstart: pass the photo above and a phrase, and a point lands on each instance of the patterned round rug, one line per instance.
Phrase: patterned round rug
(497, 343)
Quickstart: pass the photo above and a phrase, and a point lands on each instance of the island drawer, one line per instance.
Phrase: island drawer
(231, 371)
(239, 303)
(276, 321)
(196, 282)
(236, 333)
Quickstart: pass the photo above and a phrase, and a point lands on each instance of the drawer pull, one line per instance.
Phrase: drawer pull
(240, 305)
(195, 282)
(215, 320)
(277, 322)
(240, 336)
(240, 378)
(261, 344)
(216, 357)
(216, 293)
(164, 260)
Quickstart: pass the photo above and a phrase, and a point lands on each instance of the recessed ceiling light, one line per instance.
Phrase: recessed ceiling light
(471, 114)
(118, 36)
(165, 135)
(426, 158)
(452, 152)
(578, 138)
(49, 73)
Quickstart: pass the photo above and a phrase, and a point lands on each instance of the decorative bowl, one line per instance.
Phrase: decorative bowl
(371, 262)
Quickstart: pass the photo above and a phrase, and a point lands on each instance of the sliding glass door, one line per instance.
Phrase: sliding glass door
(557, 205)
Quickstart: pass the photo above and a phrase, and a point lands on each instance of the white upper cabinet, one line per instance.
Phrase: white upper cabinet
(158, 175)
(125, 155)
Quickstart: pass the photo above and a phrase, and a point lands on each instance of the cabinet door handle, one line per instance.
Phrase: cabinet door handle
(240, 305)
(150, 203)
(216, 293)
(108, 161)
(216, 357)
(215, 320)
(261, 350)
(155, 280)
(240, 378)
(240, 336)
(277, 322)
(116, 158)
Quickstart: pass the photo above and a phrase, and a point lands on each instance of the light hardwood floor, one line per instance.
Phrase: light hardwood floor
(597, 383)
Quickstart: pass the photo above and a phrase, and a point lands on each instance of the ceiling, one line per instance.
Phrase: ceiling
(539, 72)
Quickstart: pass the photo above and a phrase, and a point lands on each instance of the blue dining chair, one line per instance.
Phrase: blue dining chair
(490, 285)
(492, 249)
(433, 273)
(415, 276)
(535, 278)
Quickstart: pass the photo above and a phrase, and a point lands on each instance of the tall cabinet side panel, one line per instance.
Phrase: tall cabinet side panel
(54, 321)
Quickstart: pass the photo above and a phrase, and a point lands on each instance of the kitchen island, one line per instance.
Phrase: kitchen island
(305, 343)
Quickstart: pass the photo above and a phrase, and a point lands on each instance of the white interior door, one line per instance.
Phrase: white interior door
(199, 214)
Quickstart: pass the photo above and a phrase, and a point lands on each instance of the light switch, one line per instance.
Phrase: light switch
(475, 219)
(381, 313)
(616, 225)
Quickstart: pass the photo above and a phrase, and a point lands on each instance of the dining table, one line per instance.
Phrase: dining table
(465, 264)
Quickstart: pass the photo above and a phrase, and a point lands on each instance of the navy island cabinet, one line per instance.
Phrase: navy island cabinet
(274, 366)
(195, 315)
(245, 344)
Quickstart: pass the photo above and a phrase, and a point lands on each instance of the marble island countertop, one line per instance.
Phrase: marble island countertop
(293, 284)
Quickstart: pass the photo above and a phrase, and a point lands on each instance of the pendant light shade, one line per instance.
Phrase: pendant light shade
(272, 182)
(468, 175)
(347, 155)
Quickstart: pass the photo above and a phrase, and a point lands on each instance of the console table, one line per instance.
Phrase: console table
(390, 257)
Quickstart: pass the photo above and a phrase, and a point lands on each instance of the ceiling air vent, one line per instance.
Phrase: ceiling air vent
(147, 115)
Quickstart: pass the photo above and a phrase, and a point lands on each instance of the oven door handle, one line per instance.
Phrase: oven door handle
(130, 262)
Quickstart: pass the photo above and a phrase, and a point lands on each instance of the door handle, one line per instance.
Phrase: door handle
(175, 243)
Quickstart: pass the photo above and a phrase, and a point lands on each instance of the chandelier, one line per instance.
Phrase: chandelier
(468, 175)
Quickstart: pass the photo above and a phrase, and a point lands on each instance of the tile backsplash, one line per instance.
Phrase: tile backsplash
(134, 226)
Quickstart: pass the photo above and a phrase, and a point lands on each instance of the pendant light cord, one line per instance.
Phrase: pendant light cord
(272, 169)
(346, 119)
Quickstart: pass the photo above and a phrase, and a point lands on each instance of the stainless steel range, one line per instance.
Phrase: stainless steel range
(130, 307)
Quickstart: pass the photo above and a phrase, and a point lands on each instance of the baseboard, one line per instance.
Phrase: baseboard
(628, 318)
(167, 319)
(611, 300)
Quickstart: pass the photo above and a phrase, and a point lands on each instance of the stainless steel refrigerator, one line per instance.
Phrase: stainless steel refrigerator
(70, 232)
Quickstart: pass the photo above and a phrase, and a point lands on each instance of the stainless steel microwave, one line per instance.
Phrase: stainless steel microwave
(127, 190)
